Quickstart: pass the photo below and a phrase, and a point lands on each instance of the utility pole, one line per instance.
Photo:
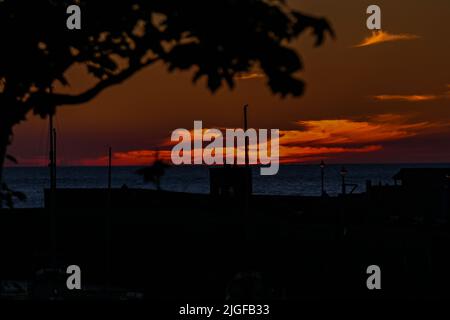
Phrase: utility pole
(52, 154)
(344, 184)
(54, 159)
(248, 170)
(108, 226)
(322, 178)
(247, 162)
(52, 193)
(109, 169)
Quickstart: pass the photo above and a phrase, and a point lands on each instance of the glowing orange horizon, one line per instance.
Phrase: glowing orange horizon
(315, 139)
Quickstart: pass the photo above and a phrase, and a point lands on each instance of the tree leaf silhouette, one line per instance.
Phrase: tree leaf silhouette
(12, 159)
(215, 40)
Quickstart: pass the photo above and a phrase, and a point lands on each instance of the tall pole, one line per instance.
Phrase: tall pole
(344, 184)
(108, 224)
(52, 152)
(248, 172)
(52, 164)
(247, 162)
(54, 159)
(322, 178)
(52, 193)
(110, 168)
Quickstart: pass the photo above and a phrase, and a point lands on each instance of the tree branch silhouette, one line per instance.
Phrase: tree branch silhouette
(44, 100)
(217, 39)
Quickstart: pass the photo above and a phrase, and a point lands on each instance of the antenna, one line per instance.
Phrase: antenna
(52, 193)
(109, 168)
(52, 154)
(54, 158)
(247, 163)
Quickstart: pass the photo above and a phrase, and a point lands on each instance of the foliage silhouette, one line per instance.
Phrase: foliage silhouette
(217, 40)
(8, 195)
(154, 173)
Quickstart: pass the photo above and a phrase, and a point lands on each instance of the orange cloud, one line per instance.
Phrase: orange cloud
(325, 138)
(413, 97)
(378, 37)
(314, 139)
(409, 98)
(129, 158)
(380, 128)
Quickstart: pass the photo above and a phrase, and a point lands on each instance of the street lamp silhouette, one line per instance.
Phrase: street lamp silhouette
(343, 174)
(322, 177)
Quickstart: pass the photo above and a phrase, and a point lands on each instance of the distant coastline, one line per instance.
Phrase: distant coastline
(292, 179)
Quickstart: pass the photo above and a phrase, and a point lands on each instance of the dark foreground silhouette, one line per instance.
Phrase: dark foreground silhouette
(183, 246)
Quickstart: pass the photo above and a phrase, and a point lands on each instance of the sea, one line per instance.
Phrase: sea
(300, 180)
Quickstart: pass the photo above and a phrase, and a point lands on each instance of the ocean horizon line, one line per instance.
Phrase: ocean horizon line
(253, 165)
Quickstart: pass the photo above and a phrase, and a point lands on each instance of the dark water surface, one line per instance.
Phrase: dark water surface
(291, 179)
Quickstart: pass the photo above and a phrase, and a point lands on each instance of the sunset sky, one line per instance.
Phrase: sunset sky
(370, 98)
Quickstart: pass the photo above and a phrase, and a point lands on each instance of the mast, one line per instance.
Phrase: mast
(108, 224)
(54, 159)
(52, 193)
(248, 171)
(247, 163)
(52, 154)
(109, 169)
